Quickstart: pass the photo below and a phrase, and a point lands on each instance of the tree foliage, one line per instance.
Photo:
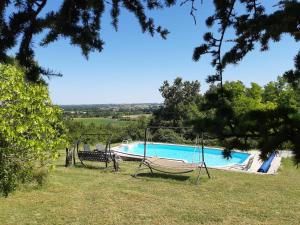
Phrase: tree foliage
(80, 21)
(179, 99)
(233, 116)
(31, 129)
(117, 132)
(77, 20)
(251, 24)
(167, 136)
(265, 118)
(271, 119)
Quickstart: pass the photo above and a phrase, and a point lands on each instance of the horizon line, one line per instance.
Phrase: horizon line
(136, 103)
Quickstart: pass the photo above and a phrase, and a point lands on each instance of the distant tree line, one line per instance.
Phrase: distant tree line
(115, 111)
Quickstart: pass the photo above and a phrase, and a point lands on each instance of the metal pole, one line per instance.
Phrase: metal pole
(202, 143)
(198, 146)
(145, 144)
(77, 146)
(67, 157)
(203, 161)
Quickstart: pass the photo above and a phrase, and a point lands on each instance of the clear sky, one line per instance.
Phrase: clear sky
(133, 65)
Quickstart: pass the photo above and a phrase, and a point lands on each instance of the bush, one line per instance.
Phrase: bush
(167, 136)
(134, 131)
(30, 129)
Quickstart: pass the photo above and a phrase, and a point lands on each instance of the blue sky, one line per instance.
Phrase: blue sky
(133, 65)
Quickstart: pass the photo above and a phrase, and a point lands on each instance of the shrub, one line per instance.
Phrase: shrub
(168, 136)
(30, 128)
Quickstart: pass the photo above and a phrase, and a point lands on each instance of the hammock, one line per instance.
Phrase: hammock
(178, 166)
(172, 166)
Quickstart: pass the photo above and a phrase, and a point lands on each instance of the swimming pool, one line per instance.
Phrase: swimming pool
(213, 157)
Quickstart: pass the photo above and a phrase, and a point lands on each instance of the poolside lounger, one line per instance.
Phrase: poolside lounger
(126, 141)
(244, 167)
(274, 165)
(256, 164)
(86, 147)
(100, 147)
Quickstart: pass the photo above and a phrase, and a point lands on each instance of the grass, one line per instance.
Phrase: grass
(103, 121)
(98, 196)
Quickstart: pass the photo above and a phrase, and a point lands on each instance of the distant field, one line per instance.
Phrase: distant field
(103, 121)
(137, 116)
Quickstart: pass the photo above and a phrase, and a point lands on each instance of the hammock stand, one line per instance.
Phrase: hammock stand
(171, 166)
(105, 156)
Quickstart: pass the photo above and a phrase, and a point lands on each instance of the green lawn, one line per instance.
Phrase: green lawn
(97, 196)
(103, 121)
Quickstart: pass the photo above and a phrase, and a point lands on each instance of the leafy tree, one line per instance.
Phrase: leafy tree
(278, 121)
(167, 136)
(252, 117)
(31, 129)
(282, 93)
(179, 98)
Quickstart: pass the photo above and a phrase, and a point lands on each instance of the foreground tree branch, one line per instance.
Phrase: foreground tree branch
(79, 21)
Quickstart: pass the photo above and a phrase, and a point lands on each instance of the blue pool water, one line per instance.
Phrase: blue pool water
(213, 157)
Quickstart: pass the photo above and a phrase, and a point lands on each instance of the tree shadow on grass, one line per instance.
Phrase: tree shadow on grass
(164, 176)
(100, 167)
(190, 178)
